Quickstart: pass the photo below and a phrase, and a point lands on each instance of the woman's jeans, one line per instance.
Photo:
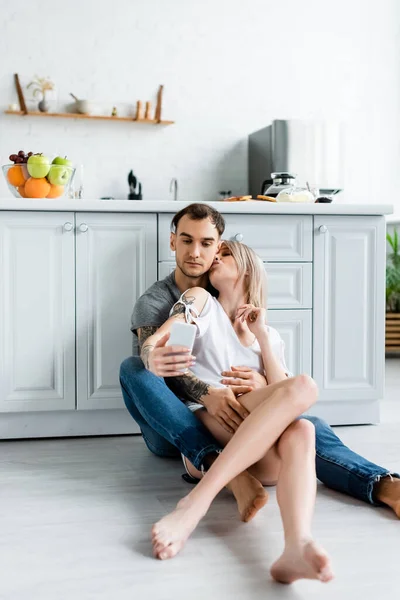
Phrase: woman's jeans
(169, 427)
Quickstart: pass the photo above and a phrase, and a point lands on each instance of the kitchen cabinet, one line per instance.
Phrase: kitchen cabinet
(348, 316)
(55, 263)
(37, 311)
(282, 241)
(116, 261)
(70, 275)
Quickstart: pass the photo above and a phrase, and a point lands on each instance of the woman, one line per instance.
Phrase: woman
(277, 445)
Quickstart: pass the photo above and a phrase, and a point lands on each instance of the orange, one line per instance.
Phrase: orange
(55, 191)
(21, 190)
(37, 188)
(15, 176)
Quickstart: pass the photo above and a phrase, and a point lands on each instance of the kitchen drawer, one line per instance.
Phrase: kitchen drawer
(277, 238)
(294, 327)
(289, 284)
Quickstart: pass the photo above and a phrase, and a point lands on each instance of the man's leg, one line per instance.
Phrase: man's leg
(167, 425)
(341, 469)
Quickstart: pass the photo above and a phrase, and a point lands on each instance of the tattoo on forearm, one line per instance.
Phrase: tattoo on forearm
(143, 334)
(144, 355)
(188, 387)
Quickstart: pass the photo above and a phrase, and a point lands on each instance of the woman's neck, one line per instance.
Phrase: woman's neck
(230, 302)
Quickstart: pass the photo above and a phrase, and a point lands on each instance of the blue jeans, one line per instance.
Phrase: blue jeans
(169, 427)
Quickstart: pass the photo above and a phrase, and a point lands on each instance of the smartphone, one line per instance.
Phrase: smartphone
(182, 334)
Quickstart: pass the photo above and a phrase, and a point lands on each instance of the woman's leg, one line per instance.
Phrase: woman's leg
(245, 487)
(296, 490)
(266, 470)
(283, 403)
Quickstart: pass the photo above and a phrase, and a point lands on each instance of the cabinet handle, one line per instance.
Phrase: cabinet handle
(238, 237)
(323, 229)
(83, 227)
(68, 226)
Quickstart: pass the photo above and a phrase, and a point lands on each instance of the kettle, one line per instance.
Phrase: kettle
(279, 182)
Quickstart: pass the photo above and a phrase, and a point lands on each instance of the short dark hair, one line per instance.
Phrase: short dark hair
(198, 212)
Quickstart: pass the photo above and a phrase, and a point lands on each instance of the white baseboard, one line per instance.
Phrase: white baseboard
(347, 412)
(66, 424)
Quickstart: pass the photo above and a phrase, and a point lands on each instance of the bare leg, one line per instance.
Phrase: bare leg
(284, 402)
(302, 558)
(247, 489)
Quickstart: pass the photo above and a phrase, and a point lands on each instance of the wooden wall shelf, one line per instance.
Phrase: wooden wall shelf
(93, 117)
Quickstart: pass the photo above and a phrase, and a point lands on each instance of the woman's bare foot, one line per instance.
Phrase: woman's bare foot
(249, 494)
(171, 532)
(307, 561)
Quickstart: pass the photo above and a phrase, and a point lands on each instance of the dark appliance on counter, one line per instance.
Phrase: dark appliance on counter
(312, 150)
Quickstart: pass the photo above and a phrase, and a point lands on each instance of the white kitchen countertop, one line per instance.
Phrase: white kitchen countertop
(168, 206)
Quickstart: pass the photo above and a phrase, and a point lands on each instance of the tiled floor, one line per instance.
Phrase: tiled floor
(76, 514)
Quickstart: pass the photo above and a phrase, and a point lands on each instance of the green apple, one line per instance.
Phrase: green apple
(59, 174)
(38, 165)
(59, 160)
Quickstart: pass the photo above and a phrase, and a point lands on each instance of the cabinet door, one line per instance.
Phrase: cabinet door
(349, 305)
(37, 311)
(294, 327)
(116, 261)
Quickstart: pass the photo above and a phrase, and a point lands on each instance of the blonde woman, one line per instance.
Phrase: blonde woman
(272, 442)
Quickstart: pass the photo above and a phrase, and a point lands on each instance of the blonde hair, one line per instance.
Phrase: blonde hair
(250, 265)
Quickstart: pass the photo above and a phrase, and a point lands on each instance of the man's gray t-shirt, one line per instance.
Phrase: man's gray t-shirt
(153, 307)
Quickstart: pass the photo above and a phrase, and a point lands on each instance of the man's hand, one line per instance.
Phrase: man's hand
(166, 361)
(240, 379)
(223, 406)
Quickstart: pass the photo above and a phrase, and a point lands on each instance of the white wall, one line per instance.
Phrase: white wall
(229, 67)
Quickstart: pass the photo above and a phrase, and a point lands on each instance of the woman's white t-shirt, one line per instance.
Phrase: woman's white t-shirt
(217, 347)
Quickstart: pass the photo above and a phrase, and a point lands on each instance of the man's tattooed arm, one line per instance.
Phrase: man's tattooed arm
(188, 387)
(143, 334)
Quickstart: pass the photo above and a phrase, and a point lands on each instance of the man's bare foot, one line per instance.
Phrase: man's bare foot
(307, 561)
(171, 532)
(249, 494)
(387, 490)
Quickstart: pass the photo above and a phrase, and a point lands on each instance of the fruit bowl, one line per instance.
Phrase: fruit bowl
(38, 179)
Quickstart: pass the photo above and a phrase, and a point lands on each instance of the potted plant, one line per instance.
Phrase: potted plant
(41, 85)
(393, 295)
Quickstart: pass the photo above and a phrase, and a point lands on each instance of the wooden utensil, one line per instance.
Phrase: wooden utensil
(157, 114)
(20, 94)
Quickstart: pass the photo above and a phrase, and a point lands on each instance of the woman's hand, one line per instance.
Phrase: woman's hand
(242, 380)
(255, 318)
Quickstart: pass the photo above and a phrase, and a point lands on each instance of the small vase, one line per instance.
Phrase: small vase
(43, 106)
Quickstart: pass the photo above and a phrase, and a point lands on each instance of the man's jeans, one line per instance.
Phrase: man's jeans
(169, 427)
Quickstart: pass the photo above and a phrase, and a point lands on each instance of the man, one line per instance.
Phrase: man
(169, 427)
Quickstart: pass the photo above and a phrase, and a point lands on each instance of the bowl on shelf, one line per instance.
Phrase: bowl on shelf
(55, 184)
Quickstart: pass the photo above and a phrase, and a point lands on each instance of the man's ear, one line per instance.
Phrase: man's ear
(172, 241)
(219, 246)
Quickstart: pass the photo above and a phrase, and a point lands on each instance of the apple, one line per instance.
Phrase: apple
(38, 166)
(59, 174)
(59, 160)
